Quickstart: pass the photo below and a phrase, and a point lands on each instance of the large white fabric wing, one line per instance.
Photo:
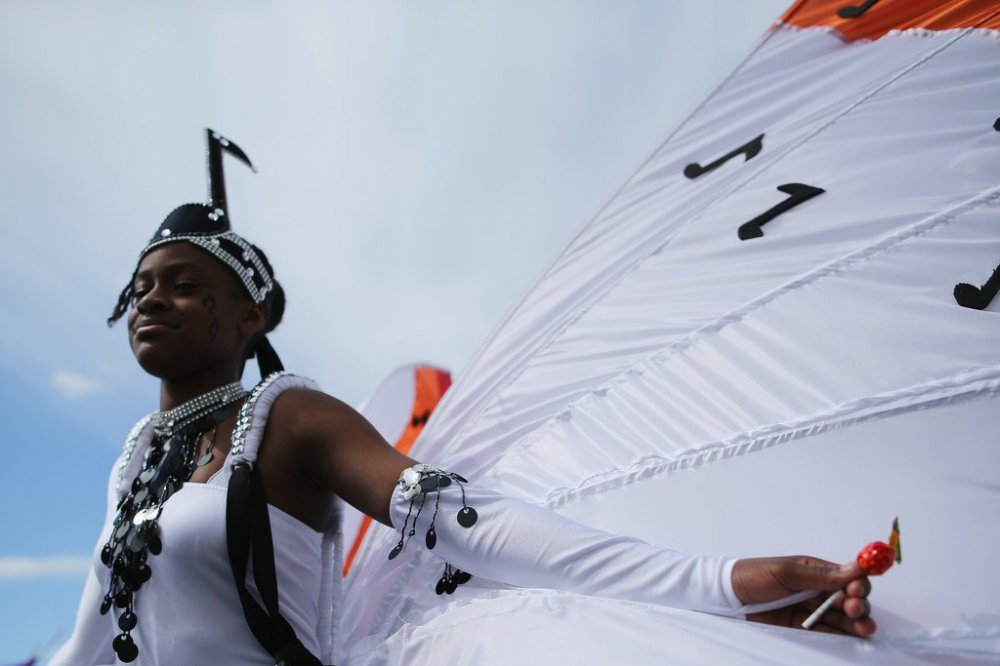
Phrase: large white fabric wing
(758, 347)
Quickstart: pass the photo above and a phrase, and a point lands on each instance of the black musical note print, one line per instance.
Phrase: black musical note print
(854, 11)
(798, 193)
(978, 298)
(750, 149)
(996, 124)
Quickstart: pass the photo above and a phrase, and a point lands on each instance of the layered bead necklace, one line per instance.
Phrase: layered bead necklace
(170, 461)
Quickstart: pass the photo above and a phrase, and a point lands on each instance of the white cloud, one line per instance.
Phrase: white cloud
(12, 568)
(71, 385)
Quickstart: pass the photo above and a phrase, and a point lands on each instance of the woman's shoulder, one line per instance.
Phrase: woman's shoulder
(305, 413)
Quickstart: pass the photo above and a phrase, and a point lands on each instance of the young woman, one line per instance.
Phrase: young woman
(220, 541)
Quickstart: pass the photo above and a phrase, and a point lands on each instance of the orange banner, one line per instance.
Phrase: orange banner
(857, 19)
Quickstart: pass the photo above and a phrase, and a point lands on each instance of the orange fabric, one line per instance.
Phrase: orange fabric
(430, 387)
(886, 15)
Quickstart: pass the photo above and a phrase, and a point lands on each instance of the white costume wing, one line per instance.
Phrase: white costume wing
(757, 347)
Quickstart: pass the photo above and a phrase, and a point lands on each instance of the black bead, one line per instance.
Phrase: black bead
(462, 577)
(451, 586)
(128, 577)
(125, 648)
(430, 482)
(432, 539)
(155, 545)
(467, 516)
(440, 587)
(396, 551)
(105, 605)
(123, 598)
(127, 621)
(135, 541)
(444, 482)
(144, 572)
(106, 555)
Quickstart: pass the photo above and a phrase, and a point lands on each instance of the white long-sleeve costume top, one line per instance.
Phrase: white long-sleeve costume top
(189, 611)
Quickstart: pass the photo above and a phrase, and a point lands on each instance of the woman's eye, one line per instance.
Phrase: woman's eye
(185, 286)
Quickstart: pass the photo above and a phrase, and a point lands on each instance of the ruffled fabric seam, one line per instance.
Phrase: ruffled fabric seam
(837, 265)
(961, 387)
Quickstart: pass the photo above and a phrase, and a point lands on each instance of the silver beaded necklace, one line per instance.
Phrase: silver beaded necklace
(168, 422)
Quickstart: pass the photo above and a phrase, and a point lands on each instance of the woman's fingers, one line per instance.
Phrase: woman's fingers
(855, 608)
(846, 616)
(859, 587)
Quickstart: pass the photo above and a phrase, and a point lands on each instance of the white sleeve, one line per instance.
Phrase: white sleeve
(527, 546)
(90, 642)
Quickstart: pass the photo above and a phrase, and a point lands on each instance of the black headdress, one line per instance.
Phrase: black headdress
(207, 226)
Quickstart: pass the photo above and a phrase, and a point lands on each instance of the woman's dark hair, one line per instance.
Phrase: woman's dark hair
(274, 311)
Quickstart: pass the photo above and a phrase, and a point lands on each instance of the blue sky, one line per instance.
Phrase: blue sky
(418, 166)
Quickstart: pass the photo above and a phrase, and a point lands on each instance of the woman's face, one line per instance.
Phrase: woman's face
(189, 314)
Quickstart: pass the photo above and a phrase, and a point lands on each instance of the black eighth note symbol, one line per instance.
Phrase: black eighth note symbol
(854, 11)
(799, 193)
(750, 149)
(978, 298)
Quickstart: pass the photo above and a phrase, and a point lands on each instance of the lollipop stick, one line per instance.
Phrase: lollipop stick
(824, 607)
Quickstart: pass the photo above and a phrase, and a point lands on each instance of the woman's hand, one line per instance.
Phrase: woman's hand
(759, 580)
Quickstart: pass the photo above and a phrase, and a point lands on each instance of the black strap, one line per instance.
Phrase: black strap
(248, 528)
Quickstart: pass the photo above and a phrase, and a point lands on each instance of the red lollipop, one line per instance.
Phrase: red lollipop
(874, 559)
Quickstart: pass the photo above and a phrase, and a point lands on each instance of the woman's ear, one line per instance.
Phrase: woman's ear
(254, 319)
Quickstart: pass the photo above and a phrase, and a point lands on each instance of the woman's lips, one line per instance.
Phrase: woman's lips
(152, 328)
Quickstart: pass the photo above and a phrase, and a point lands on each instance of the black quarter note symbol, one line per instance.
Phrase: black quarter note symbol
(750, 149)
(978, 298)
(798, 193)
(854, 11)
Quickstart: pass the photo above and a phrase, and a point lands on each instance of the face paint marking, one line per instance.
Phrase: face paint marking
(209, 303)
(213, 329)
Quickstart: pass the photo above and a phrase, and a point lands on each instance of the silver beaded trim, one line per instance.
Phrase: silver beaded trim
(409, 478)
(130, 442)
(244, 421)
(253, 266)
(172, 420)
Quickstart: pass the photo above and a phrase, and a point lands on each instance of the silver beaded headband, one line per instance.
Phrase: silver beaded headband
(231, 249)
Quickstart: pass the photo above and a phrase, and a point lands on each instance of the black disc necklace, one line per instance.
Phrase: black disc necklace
(172, 457)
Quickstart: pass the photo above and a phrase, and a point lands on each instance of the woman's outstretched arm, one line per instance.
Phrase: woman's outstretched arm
(527, 546)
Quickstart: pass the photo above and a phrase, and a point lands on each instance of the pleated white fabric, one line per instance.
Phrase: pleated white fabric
(791, 392)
